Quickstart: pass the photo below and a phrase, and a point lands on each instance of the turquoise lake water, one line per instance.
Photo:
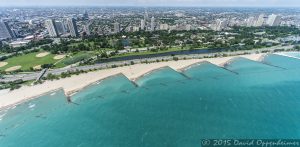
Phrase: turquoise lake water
(165, 108)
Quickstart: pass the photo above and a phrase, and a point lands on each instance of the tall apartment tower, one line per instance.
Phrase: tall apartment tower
(274, 20)
(146, 16)
(86, 15)
(152, 24)
(51, 27)
(143, 24)
(60, 27)
(86, 29)
(220, 24)
(250, 22)
(260, 21)
(116, 27)
(72, 27)
(5, 31)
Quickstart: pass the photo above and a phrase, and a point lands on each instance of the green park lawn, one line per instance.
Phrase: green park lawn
(172, 49)
(28, 60)
(76, 57)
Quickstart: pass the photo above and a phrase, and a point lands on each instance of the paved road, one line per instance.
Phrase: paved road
(35, 75)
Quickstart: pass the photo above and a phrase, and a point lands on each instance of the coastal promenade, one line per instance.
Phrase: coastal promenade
(33, 76)
(77, 82)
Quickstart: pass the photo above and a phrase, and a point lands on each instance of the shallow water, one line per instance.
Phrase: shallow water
(246, 99)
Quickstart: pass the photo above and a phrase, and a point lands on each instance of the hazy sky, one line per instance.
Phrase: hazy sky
(251, 3)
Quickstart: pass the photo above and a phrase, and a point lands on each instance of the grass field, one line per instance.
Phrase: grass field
(28, 60)
(172, 49)
(76, 57)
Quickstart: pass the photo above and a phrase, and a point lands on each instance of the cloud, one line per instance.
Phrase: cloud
(151, 2)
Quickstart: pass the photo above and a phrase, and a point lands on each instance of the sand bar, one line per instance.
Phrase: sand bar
(77, 82)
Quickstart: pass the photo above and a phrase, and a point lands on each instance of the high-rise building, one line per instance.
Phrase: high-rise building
(188, 27)
(15, 33)
(116, 27)
(146, 16)
(220, 25)
(60, 27)
(260, 21)
(172, 27)
(86, 29)
(152, 27)
(65, 23)
(129, 29)
(143, 24)
(30, 22)
(274, 20)
(250, 22)
(52, 30)
(72, 27)
(5, 31)
(164, 26)
(135, 28)
(86, 15)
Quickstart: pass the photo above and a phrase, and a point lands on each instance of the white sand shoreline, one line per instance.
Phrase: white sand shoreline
(78, 82)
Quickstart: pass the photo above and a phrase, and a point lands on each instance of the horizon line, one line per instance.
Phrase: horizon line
(151, 6)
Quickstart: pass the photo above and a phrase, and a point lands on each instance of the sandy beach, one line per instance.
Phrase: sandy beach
(78, 82)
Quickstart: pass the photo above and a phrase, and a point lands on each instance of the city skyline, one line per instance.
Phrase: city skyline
(195, 3)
